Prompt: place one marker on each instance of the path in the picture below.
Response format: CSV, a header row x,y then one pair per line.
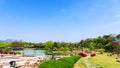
x,y
88,63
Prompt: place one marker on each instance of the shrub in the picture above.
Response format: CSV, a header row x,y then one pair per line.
x,y
92,55
14,53
101,51
18,52
83,54
60,63
5,52
11,52
1,51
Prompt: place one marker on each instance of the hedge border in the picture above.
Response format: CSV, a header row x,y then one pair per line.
x,y
60,63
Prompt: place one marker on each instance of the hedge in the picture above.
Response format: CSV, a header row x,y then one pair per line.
x,y
60,63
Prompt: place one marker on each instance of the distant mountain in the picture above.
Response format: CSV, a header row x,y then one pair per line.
x,y
9,40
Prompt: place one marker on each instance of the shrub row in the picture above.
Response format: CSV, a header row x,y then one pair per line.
x,y
6,52
60,63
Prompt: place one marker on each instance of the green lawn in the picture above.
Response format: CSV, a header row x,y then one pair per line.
x,y
79,64
105,61
99,61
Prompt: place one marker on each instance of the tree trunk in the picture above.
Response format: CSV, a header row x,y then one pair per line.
x,y
118,54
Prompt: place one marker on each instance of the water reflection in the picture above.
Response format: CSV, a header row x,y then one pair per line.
x,y
29,51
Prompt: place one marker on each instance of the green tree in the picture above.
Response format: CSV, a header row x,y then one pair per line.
x,y
16,45
4,45
56,46
118,36
99,46
49,47
109,47
92,46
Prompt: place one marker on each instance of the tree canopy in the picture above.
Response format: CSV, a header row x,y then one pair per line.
x,y
102,42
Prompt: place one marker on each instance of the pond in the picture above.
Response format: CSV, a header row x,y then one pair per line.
x,y
29,51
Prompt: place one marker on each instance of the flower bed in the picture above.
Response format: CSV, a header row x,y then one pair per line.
x,y
60,63
7,52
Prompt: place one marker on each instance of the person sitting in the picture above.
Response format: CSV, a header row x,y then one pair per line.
x,y
12,64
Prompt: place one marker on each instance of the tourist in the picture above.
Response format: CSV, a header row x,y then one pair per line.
x,y
12,64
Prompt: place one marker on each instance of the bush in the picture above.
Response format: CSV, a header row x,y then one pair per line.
x,y
83,54
1,51
101,51
18,52
5,52
60,63
11,52
92,55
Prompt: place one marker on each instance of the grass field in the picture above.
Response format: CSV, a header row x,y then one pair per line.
x,y
105,61
80,64
99,61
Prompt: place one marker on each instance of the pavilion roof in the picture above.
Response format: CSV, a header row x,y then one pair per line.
x,y
117,40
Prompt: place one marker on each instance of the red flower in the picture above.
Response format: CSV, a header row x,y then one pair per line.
x,y
11,52
1,51
92,55
14,53
5,52
83,54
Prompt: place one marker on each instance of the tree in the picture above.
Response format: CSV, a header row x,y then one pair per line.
x,y
118,36
49,47
117,48
16,45
38,45
71,46
109,47
109,38
99,46
82,43
56,46
4,45
92,46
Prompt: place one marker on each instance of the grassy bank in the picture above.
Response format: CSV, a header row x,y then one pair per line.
x,y
105,61
99,61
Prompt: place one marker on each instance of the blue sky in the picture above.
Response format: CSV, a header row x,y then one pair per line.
x,y
58,20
